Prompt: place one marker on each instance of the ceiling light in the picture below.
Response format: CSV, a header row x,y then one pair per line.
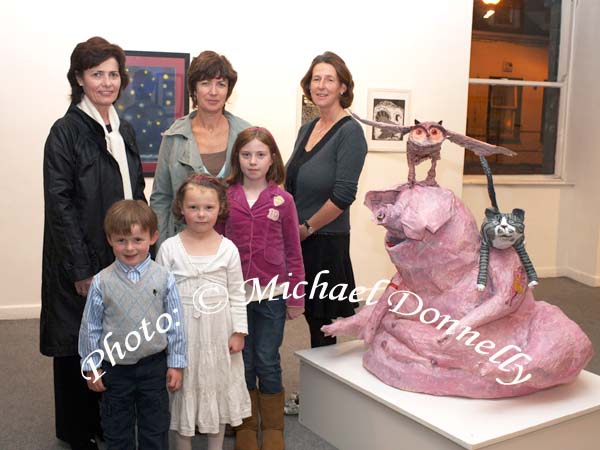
x,y
489,14
491,2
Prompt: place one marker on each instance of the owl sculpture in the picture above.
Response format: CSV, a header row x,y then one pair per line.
x,y
425,142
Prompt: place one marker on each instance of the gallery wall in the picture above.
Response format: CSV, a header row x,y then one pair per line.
x,y
270,44
420,46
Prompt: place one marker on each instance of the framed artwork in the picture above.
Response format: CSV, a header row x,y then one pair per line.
x,y
391,106
157,94
307,110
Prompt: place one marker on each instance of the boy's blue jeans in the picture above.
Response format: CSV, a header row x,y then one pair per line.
x,y
136,393
266,321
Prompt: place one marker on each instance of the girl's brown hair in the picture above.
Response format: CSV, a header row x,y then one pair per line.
x,y
276,172
205,181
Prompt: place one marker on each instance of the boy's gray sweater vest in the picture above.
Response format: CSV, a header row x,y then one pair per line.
x,y
126,305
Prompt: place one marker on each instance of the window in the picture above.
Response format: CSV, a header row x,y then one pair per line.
x,y
517,81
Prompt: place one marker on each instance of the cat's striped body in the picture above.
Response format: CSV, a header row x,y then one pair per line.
x,y
502,231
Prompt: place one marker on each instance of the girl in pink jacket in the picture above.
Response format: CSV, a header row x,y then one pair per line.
x,y
263,224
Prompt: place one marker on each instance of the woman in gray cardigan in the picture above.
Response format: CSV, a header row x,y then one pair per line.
x,y
199,142
322,175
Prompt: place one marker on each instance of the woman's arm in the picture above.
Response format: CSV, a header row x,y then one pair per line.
x,y
62,217
326,214
162,193
350,158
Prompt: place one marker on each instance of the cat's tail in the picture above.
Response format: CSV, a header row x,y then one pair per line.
x,y
490,181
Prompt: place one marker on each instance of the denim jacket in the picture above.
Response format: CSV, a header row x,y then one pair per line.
x,y
267,238
178,157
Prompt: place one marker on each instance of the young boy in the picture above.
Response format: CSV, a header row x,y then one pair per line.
x,y
132,315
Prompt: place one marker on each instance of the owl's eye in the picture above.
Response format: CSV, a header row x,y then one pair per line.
x,y
418,132
434,132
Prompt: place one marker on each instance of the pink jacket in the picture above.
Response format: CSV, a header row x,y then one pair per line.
x,y
267,238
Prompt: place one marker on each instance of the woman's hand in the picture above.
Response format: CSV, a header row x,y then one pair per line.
x,y
83,286
291,312
303,232
236,343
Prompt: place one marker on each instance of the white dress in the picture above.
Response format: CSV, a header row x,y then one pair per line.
x,y
214,388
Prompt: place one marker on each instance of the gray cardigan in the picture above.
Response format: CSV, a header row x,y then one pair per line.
x,y
177,158
330,171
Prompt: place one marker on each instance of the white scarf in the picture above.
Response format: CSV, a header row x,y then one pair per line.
x,y
114,140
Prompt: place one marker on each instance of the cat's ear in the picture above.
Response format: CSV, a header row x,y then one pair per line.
x,y
519,213
490,213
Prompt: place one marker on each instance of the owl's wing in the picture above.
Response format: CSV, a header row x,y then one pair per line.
x,y
387,126
478,147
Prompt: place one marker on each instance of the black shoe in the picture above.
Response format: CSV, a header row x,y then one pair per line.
x,y
84,445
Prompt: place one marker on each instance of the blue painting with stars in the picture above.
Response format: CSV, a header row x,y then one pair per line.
x,y
155,97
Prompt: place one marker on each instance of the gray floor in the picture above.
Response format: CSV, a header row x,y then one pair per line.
x,y
27,420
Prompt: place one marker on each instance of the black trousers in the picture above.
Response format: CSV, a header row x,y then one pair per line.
x,y
75,406
136,394
317,337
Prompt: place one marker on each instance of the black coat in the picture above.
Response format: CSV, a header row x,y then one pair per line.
x,y
81,182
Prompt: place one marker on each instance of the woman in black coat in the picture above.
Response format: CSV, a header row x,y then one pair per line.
x,y
90,162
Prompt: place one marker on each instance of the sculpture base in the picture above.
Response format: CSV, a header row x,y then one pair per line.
x,y
352,409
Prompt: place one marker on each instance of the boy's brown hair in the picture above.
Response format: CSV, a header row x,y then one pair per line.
x,y
125,214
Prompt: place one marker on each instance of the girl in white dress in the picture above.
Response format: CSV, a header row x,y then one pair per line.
x,y
207,269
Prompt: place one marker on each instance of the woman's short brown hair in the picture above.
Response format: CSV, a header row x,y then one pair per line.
x,y
206,66
276,172
124,214
92,53
343,74
205,181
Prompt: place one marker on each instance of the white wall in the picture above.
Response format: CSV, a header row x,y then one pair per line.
x,y
563,220
420,46
579,232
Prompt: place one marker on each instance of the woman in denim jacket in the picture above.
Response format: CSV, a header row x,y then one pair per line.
x,y
200,142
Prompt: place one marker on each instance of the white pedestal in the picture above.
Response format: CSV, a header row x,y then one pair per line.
x,y
352,409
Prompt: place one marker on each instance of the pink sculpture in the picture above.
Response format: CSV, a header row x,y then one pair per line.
x,y
432,331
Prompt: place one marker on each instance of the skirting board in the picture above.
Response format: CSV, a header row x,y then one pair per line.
x,y
582,277
353,410
17,312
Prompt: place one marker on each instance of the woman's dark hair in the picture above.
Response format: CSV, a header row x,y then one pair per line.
x,y
92,53
205,181
343,74
276,172
206,66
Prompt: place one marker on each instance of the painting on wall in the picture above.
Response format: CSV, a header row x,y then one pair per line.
x,y
156,96
388,106
307,110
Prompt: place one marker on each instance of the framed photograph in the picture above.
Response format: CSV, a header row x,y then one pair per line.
x,y
157,94
390,106
307,110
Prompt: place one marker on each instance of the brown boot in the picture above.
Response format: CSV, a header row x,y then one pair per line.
x,y
246,434
271,420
